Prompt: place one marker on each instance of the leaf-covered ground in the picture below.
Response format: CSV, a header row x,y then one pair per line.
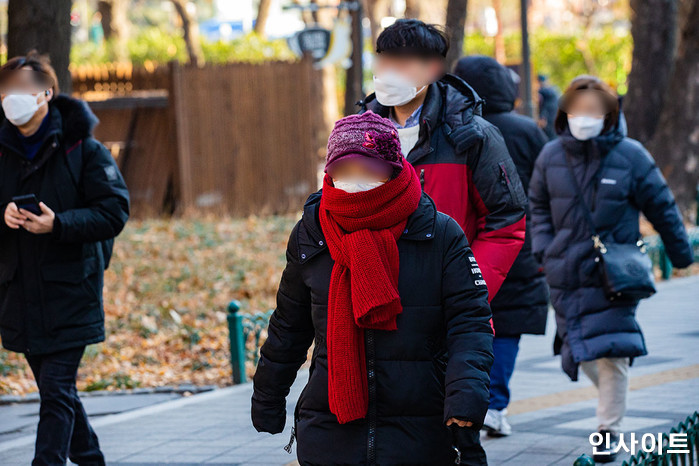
x,y
166,294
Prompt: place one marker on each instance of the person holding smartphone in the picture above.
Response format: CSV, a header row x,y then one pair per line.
x,y
63,201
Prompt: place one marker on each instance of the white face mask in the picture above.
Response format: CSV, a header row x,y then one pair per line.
x,y
393,89
585,127
20,108
356,185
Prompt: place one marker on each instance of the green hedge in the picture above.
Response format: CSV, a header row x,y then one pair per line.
x,y
160,46
557,55
560,56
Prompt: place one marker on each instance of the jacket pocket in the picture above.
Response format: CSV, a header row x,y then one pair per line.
x,y
72,294
7,273
440,360
514,186
9,308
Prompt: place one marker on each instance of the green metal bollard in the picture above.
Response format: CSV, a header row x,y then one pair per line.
x,y
584,460
665,264
237,340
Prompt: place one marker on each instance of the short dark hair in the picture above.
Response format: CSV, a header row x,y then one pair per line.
x,y
37,62
581,83
413,37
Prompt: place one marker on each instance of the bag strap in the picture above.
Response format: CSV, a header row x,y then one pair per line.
x,y
597,242
579,194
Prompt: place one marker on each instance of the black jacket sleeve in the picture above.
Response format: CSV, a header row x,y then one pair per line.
x,y
104,195
540,209
289,336
654,198
469,333
498,186
3,225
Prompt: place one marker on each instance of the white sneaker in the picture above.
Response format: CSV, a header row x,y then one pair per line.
x,y
495,423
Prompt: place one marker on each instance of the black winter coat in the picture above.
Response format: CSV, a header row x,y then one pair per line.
x,y
521,305
589,325
434,367
51,284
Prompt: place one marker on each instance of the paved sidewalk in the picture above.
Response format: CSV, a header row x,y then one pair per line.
x,y
551,416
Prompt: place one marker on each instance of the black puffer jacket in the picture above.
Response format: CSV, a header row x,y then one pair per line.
x,y
589,325
434,367
51,284
521,305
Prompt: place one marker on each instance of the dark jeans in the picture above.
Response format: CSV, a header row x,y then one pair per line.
x,y
505,350
64,431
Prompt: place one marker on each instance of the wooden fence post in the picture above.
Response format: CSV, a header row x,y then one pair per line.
x,y
179,111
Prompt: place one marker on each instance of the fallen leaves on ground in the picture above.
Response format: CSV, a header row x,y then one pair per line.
x,y
166,295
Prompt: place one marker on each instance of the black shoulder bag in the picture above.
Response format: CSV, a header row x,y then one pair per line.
x,y
626,269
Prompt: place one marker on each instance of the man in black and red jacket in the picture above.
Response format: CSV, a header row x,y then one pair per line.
x,y
462,159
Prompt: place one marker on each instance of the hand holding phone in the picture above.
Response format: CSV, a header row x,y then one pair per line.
x,y
12,216
27,212
28,202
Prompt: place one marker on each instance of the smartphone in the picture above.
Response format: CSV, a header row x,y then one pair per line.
x,y
28,202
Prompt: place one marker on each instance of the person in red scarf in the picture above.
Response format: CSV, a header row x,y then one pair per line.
x,y
390,293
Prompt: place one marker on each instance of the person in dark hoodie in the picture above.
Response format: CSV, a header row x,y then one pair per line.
x,y
388,289
53,253
461,158
548,105
587,191
521,305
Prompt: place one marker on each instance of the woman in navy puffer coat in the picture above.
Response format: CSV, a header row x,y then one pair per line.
x,y
618,179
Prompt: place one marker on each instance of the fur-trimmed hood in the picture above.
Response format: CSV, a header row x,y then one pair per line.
x,y
78,121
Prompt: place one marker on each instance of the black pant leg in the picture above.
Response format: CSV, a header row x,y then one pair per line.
x,y
56,374
84,446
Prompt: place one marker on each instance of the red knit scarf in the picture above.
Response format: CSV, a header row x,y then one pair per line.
x,y
361,230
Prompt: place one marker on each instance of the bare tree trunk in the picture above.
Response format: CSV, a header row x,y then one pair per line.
x,y
653,27
500,54
44,26
330,108
675,144
191,33
412,9
583,44
115,25
354,90
456,28
376,9
262,15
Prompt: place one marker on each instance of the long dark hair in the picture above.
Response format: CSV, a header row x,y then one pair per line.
x,y
588,82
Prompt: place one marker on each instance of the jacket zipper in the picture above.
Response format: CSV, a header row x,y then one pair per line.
x,y
292,437
288,446
505,180
371,380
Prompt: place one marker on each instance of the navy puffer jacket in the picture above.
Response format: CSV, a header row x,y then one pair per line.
x,y
589,325
433,367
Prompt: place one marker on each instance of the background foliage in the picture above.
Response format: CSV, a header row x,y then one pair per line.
x,y
158,45
560,56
